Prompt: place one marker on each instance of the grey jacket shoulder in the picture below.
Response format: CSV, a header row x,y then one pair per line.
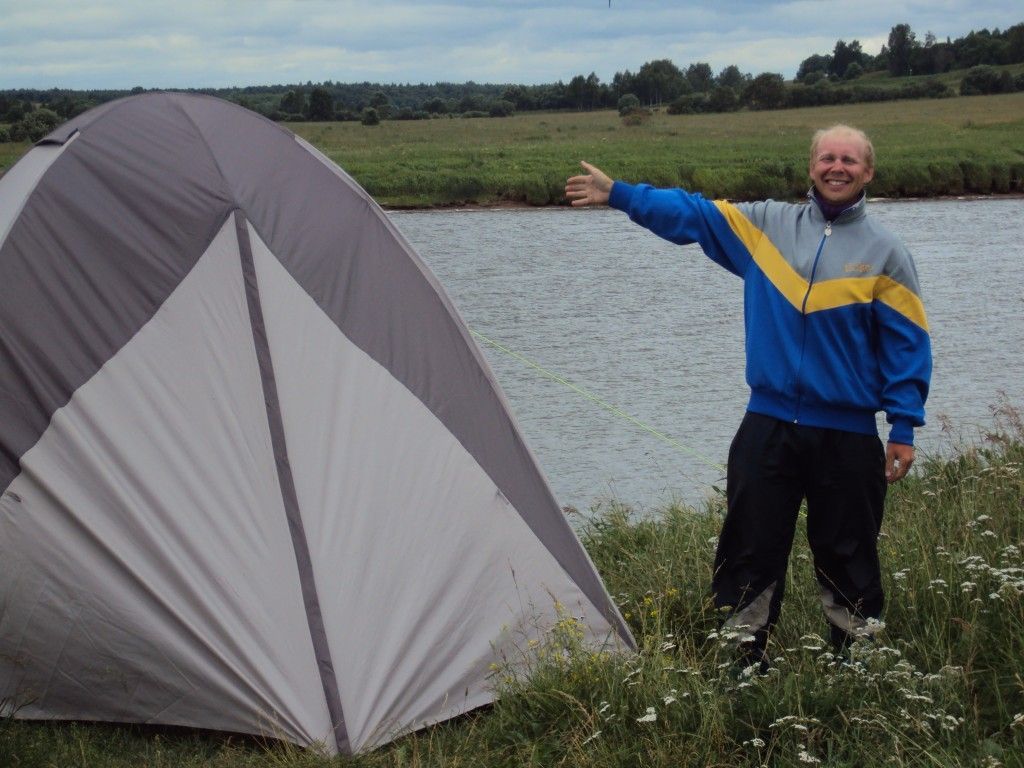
x,y
867,245
899,263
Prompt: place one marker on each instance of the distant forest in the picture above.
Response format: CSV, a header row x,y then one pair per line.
x,y
905,67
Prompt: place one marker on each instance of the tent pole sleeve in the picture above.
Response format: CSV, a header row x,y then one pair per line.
x,y
310,598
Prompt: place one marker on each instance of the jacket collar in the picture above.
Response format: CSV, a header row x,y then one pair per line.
x,y
838,214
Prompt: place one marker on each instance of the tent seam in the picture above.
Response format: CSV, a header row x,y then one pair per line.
x,y
289,496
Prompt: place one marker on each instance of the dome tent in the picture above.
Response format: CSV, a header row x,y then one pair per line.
x,y
257,476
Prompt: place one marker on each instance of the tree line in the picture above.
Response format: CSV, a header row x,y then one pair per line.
x,y
822,78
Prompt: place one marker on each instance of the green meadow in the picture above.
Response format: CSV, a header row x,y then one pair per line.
x,y
943,686
930,147
962,145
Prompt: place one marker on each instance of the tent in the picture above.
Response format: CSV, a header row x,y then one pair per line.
x,y
257,476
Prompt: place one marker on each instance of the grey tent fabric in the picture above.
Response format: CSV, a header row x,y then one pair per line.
x,y
256,474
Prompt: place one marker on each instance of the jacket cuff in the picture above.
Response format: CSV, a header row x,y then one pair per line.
x,y
902,431
620,195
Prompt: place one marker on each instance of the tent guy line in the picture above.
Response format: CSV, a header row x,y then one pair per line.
x,y
603,403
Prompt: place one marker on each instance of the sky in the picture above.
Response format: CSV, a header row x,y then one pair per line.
x,y
120,44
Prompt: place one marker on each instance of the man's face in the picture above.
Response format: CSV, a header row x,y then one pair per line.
x,y
838,168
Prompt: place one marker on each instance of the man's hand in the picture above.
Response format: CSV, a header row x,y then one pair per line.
x,y
898,458
590,189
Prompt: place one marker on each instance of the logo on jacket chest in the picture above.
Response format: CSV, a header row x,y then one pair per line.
x,y
858,269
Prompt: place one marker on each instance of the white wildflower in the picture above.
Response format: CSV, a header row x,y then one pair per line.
x,y
1018,720
650,717
807,757
910,696
590,738
755,743
950,723
671,697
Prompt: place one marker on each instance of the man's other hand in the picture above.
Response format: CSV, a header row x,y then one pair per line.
x,y
898,458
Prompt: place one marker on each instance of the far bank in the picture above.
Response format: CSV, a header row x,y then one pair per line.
x,y
966,145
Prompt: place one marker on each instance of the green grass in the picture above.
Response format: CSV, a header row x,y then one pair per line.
x,y
10,152
925,148
944,686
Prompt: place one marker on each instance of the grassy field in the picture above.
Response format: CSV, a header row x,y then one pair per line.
x,y
883,79
929,147
925,148
944,686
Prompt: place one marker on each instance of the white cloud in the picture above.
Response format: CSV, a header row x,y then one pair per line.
x,y
211,43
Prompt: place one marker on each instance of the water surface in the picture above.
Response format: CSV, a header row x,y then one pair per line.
x,y
656,330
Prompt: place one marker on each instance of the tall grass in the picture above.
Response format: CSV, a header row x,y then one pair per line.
x,y
925,148
943,686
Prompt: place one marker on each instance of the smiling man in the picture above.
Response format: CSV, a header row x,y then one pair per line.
x,y
835,333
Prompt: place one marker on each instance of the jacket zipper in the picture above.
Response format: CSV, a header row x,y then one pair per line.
x,y
803,312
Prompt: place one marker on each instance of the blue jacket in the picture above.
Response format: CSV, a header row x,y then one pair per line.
x,y
835,327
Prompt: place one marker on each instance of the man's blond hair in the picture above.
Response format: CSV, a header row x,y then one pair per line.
x,y
847,130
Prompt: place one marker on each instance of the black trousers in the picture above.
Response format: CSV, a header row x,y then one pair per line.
x,y
773,466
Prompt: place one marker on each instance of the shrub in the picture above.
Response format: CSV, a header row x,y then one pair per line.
x,y
5,134
36,124
980,80
502,108
370,116
931,88
627,103
723,99
638,116
688,104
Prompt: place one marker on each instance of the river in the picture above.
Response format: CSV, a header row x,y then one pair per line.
x,y
655,330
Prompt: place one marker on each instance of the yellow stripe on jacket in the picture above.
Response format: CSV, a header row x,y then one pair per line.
x,y
828,294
